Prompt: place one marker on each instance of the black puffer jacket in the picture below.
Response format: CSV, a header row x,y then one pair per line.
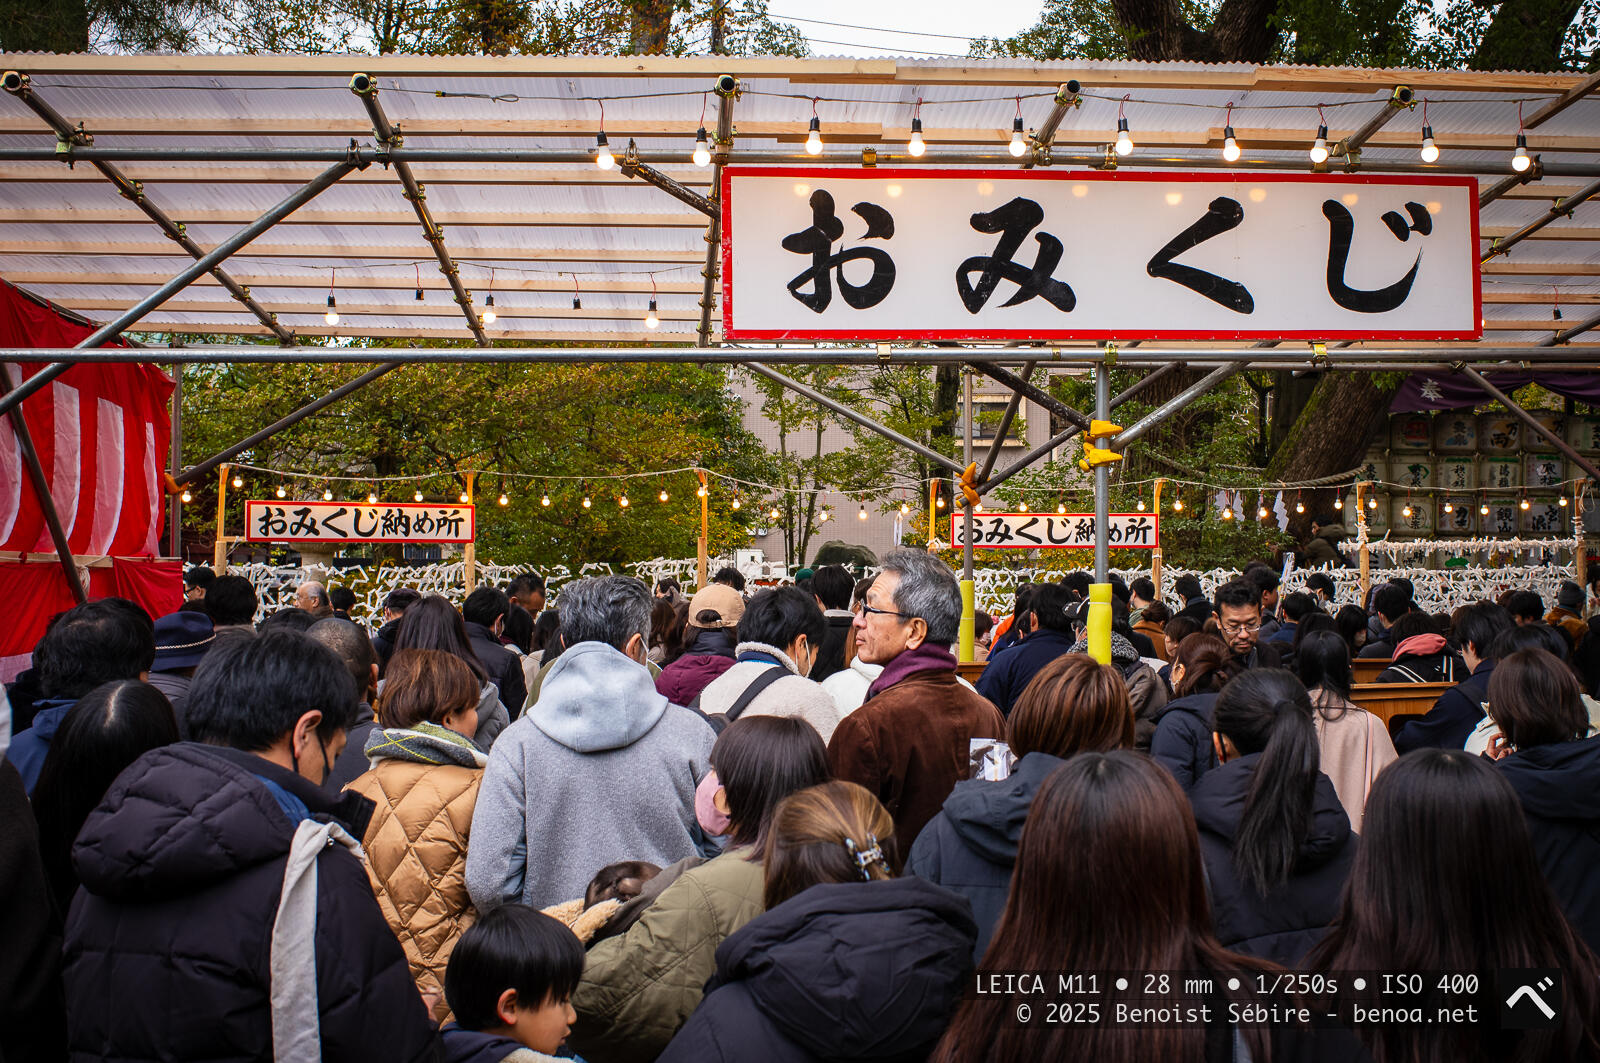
x,y
1284,925
1559,787
971,845
169,944
869,971
1182,742
33,1020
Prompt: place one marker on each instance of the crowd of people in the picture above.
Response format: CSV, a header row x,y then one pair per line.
x,y
779,824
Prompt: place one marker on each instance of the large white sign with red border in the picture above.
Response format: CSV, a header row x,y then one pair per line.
x,y
929,254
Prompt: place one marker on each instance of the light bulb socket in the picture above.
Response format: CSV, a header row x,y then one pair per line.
x,y
600,140
1122,125
419,295
815,126
1016,127
1322,132
916,126
1227,133
331,302
488,300
577,304
700,140
652,305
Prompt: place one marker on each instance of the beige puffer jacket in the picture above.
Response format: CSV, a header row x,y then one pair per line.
x,y
416,847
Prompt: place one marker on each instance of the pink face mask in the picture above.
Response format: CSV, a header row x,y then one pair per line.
x,y
711,821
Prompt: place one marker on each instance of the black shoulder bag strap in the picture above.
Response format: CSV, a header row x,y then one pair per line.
x,y
753,691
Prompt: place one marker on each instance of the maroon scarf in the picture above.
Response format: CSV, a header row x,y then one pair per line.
x,y
925,658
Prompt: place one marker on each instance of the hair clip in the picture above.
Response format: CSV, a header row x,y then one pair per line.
x,y
865,858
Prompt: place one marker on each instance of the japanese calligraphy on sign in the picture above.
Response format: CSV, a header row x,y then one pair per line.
x,y
1026,531
345,522
924,254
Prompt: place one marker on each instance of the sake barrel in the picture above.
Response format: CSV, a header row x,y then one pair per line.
x,y
1411,518
1455,432
1543,518
1583,433
1543,471
1501,471
1498,433
1411,470
1373,466
1553,421
1501,519
1461,517
1456,472
1410,433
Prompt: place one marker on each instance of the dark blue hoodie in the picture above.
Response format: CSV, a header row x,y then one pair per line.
x,y
848,971
1182,742
477,1046
971,845
1559,787
29,748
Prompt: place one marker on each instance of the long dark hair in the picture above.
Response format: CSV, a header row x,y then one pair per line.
x,y
1445,847
1351,623
432,623
544,631
108,729
1535,699
1207,664
1267,711
1323,660
1109,873
760,760
1310,624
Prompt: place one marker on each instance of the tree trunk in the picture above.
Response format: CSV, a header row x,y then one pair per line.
x,y
1525,35
1331,436
719,27
650,26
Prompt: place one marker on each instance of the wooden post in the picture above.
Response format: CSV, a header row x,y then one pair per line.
x,y
469,553
705,531
1155,559
1580,556
219,558
1361,543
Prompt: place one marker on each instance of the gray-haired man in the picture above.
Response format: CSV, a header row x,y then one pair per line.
x,y
600,769
909,743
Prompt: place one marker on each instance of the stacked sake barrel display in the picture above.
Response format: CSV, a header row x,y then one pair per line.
x,y
1442,470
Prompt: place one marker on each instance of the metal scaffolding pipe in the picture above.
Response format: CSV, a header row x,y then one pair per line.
x,y
133,191
469,155
201,266
1561,208
1171,406
1076,358
630,166
853,415
1005,426
1562,102
1037,394
41,489
1553,438
1516,180
1568,334
1350,147
727,90
195,472
367,89
1102,481
1067,97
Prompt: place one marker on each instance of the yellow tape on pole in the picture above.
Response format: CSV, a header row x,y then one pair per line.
x,y
1100,622
967,620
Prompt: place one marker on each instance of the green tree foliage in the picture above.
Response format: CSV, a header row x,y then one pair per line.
x,y
435,421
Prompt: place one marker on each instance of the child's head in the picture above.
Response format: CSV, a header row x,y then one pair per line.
x,y
622,881
515,970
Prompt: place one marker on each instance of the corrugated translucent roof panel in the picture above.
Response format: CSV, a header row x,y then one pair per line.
x,y
551,222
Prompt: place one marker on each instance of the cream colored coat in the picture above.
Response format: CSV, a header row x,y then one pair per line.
x,y
1355,747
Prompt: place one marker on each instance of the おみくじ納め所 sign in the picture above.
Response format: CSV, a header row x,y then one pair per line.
x,y
349,522
1027,531
911,254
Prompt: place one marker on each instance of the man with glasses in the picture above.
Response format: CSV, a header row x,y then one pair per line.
x,y
1239,623
909,743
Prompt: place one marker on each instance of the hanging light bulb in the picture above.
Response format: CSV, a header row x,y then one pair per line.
x,y
238,481
186,496
1449,507
503,500
416,496
1519,158
814,136
577,304
823,517
1407,511
544,499
465,498
281,491
488,310
978,508
1338,503
774,513
586,502
1430,150
916,146
938,502
1141,505
1372,503
861,514
1319,147
1299,507
332,316
702,148
736,502
663,496
327,494
1523,504
1124,141
1230,146
372,498
602,151
1227,512
1261,513
1484,509
1177,505
418,270
1018,146
1061,507
904,508
651,318
701,492
1563,501
623,501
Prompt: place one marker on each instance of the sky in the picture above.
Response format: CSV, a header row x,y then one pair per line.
x,y
893,25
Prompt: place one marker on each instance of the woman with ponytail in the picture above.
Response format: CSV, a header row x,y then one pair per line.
x,y
1276,840
1201,665
848,961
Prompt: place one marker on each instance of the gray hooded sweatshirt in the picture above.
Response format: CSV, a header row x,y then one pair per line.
x,y
600,769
